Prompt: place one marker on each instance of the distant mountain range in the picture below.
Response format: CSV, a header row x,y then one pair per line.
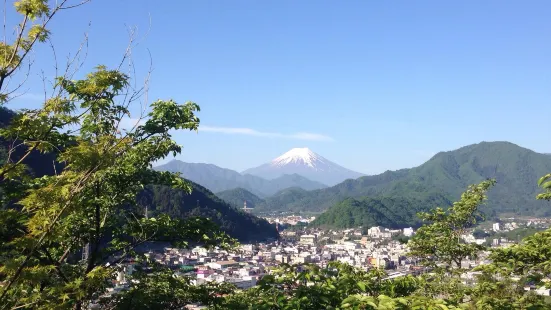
x,y
219,179
304,162
515,168
391,198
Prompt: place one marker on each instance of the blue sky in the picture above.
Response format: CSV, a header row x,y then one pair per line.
x,y
370,85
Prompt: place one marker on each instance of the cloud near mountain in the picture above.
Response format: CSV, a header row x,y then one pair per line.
x,y
252,132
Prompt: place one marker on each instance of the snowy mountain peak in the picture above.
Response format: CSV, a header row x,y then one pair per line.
x,y
306,163
298,156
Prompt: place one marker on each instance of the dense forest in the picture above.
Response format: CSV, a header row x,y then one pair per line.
x,y
203,203
237,196
390,212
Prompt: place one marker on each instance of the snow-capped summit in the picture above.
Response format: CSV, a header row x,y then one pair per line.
x,y
306,163
298,155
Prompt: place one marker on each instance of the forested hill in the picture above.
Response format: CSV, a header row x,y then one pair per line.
x,y
515,168
237,196
202,202
242,226
391,212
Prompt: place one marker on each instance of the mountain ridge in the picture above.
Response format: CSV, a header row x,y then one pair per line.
x,y
218,179
515,168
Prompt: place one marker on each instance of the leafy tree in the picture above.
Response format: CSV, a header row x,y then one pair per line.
x,y
403,239
440,240
33,28
310,287
545,183
91,203
155,287
439,245
528,262
479,233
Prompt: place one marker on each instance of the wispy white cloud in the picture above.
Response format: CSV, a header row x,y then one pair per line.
x,y
252,132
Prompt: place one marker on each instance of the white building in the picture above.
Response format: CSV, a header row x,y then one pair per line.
x,y
374,231
224,264
308,239
495,226
408,232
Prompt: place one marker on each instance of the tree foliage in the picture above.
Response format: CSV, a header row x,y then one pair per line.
x,y
438,243
65,234
32,29
203,203
337,286
440,239
92,202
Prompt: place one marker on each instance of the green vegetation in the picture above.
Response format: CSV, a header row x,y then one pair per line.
x,y
92,201
297,227
437,243
237,196
479,234
162,200
368,212
403,239
202,203
445,228
51,212
516,234
515,169
339,286
96,198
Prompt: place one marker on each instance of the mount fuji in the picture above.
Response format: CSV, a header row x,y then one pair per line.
x,y
304,162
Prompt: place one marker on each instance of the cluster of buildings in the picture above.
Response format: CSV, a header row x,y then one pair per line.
x,y
290,220
376,247
507,232
246,265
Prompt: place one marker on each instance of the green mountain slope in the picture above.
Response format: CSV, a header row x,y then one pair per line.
x,y
219,179
391,212
202,202
516,170
237,196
